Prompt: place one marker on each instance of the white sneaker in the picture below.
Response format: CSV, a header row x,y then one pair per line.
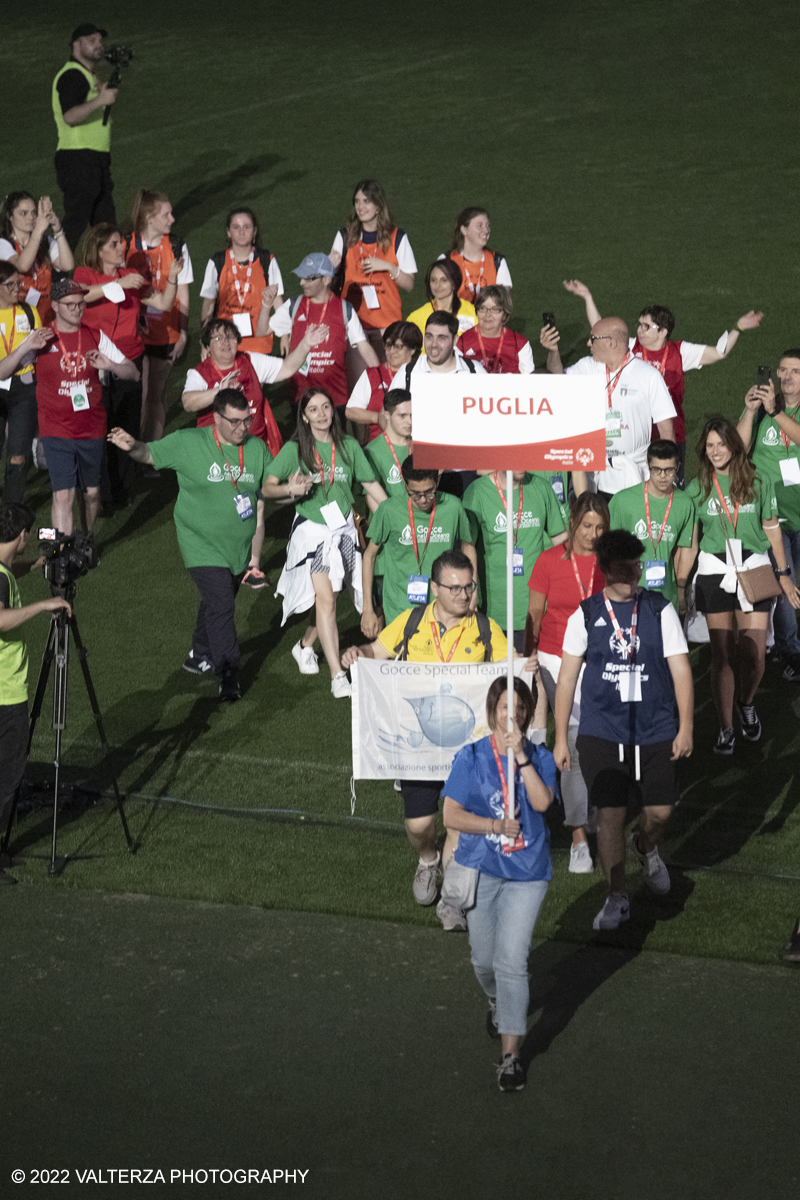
x,y
656,875
615,910
580,859
340,686
424,886
305,658
453,919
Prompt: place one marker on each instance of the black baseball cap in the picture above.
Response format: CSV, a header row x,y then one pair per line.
x,y
86,30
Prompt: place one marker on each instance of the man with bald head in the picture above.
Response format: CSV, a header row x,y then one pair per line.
x,y
636,399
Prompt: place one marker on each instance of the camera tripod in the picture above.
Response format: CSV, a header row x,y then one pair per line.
x,y
56,653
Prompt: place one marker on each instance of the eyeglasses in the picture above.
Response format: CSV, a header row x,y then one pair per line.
x,y
224,337
421,495
490,311
72,307
236,424
663,470
456,589
600,337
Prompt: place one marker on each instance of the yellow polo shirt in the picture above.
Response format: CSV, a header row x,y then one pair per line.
x,y
422,647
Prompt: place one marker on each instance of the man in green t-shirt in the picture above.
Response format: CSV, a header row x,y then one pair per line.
x,y
537,520
411,531
390,449
662,517
220,471
771,427
16,522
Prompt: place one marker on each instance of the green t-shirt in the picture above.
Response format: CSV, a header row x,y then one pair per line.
x,y
748,522
559,482
769,451
13,651
210,531
390,529
541,516
386,469
350,465
627,512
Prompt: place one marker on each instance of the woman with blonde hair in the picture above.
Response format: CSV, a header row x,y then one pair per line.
x,y
151,251
737,524
375,262
562,577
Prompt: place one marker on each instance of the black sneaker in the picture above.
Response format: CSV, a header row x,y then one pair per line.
x,y
725,743
791,672
748,718
792,951
198,666
230,689
510,1074
491,1021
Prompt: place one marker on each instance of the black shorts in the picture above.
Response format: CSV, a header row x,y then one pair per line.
x,y
420,797
710,597
612,784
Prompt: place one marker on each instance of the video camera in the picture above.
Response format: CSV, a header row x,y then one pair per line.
x,y
120,58
67,556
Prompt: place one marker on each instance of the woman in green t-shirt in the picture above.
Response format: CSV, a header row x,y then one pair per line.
x,y
316,470
737,517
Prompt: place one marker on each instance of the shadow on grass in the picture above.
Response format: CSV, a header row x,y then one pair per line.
x,y
563,979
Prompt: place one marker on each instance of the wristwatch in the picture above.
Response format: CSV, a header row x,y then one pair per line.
x,y
785,571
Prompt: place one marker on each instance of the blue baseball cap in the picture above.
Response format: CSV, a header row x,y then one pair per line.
x,y
315,264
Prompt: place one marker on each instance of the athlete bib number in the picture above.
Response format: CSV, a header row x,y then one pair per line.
x,y
655,573
417,589
77,394
243,506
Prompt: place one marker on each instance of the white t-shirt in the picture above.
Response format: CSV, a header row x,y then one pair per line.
x,y
691,352
576,637
210,288
8,250
405,255
639,400
266,367
281,321
422,367
503,273
110,349
187,274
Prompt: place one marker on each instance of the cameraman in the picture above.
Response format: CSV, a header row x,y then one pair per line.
x,y
16,522
83,153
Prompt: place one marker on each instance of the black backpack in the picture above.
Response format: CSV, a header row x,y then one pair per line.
x,y
414,620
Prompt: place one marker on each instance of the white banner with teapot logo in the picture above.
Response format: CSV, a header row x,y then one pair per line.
x,y
411,718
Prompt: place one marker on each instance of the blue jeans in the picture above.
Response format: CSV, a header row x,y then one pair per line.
x,y
500,930
785,617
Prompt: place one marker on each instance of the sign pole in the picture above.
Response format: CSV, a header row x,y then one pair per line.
x,y
510,628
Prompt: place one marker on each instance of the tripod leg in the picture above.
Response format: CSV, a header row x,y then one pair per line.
x,y
41,685
98,716
59,717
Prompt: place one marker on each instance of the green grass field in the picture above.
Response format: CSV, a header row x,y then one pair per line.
x,y
649,152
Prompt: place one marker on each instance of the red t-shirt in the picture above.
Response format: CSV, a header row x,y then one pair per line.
x,y
508,343
669,364
554,577
379,380
55,377
326,361
119,322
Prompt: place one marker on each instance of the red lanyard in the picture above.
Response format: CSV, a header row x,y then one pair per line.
x,y
321,321
626,651
397,463
241,296
725,505
587,591
475,288
654,544
505,505
787,441
321,468
494,369
502,774
10,345
66,356
453,648
413,527
227,464
609,385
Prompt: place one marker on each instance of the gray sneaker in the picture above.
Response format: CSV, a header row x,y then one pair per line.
x,y
425,886
453,919
656,875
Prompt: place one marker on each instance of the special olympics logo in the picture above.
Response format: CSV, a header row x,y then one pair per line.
x,y
73,365
584,457
623,645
